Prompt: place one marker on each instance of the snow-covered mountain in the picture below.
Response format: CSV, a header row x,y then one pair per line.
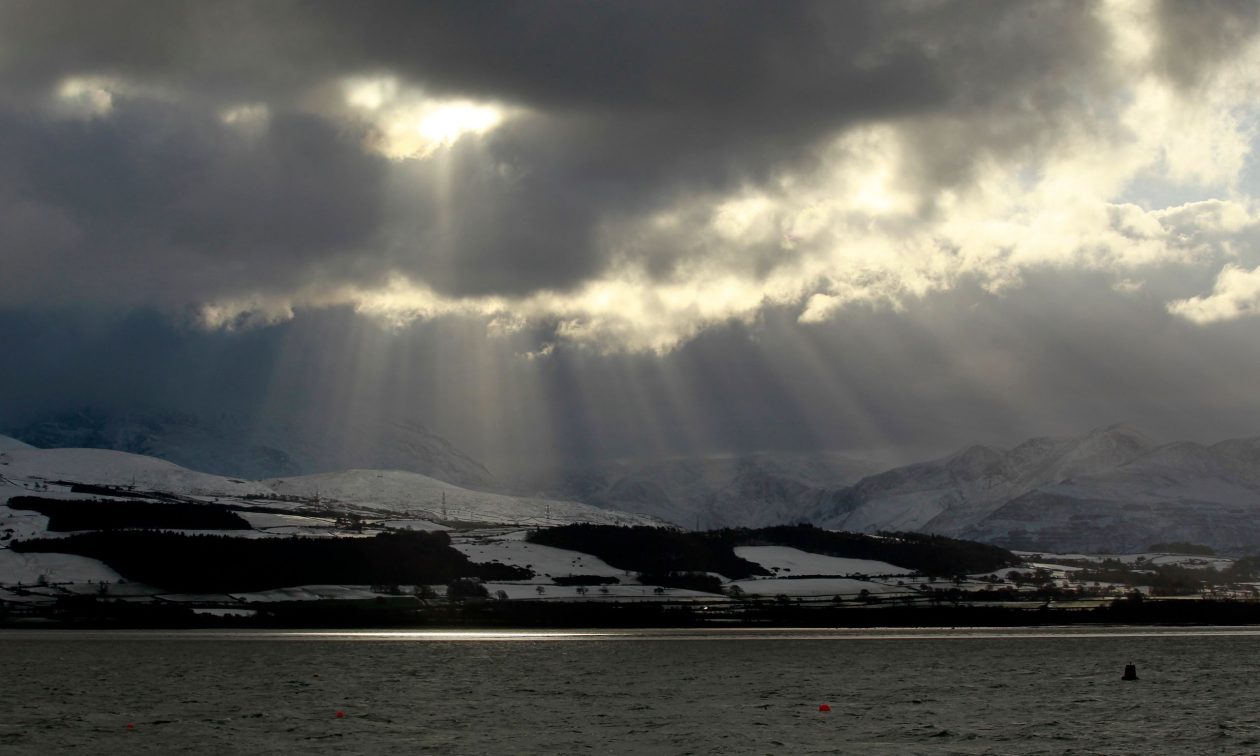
x,y
230,445
1178,492
949,494
1110,490
707,492
405,495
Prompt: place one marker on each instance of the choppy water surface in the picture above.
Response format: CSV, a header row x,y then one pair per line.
x,y
929,692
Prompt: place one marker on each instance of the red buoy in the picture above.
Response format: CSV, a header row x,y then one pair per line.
x,y
341,714
824,707
130,726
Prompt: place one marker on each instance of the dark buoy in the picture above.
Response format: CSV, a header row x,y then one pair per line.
x,y
1130,672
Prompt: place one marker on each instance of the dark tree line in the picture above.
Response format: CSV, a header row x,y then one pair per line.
x,y
223,564
101,514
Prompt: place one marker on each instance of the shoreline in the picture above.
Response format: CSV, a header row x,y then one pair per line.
x,y
574,615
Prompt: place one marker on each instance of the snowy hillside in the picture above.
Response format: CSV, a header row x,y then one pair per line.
x,y
387,499
390,492
396,492
115,468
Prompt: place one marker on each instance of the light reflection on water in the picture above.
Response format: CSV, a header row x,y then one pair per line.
x,y
729,690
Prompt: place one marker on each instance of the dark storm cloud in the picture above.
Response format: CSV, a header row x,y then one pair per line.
x,y
158,205
634,106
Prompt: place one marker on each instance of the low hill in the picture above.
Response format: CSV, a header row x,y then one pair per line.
x,y
361,492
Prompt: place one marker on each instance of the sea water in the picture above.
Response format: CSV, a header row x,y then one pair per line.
x,y
1033,691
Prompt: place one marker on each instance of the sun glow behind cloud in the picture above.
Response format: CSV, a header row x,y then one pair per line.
x,y
85,96
406,124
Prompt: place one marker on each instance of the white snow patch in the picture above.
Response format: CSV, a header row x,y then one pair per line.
x,y
787,559
225,611
55,568
546,561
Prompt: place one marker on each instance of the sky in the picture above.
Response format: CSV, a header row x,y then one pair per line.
x,y
587,230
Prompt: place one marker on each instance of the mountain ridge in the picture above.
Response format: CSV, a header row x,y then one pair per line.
x,y
231,445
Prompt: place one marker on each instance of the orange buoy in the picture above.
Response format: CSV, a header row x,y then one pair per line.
x,y
824,707
340,714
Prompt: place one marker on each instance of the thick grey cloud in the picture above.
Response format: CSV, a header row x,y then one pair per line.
x,y
155,206
633,106
1194,37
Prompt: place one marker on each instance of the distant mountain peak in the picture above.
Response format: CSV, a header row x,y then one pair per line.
x,y
1118,434
260,447
975,459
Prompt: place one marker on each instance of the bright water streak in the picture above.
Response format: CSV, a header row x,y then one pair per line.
x,y
679,691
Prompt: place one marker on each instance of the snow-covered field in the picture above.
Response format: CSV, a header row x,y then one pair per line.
x,y
29,569
781,559
266,520
547,562
16,524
